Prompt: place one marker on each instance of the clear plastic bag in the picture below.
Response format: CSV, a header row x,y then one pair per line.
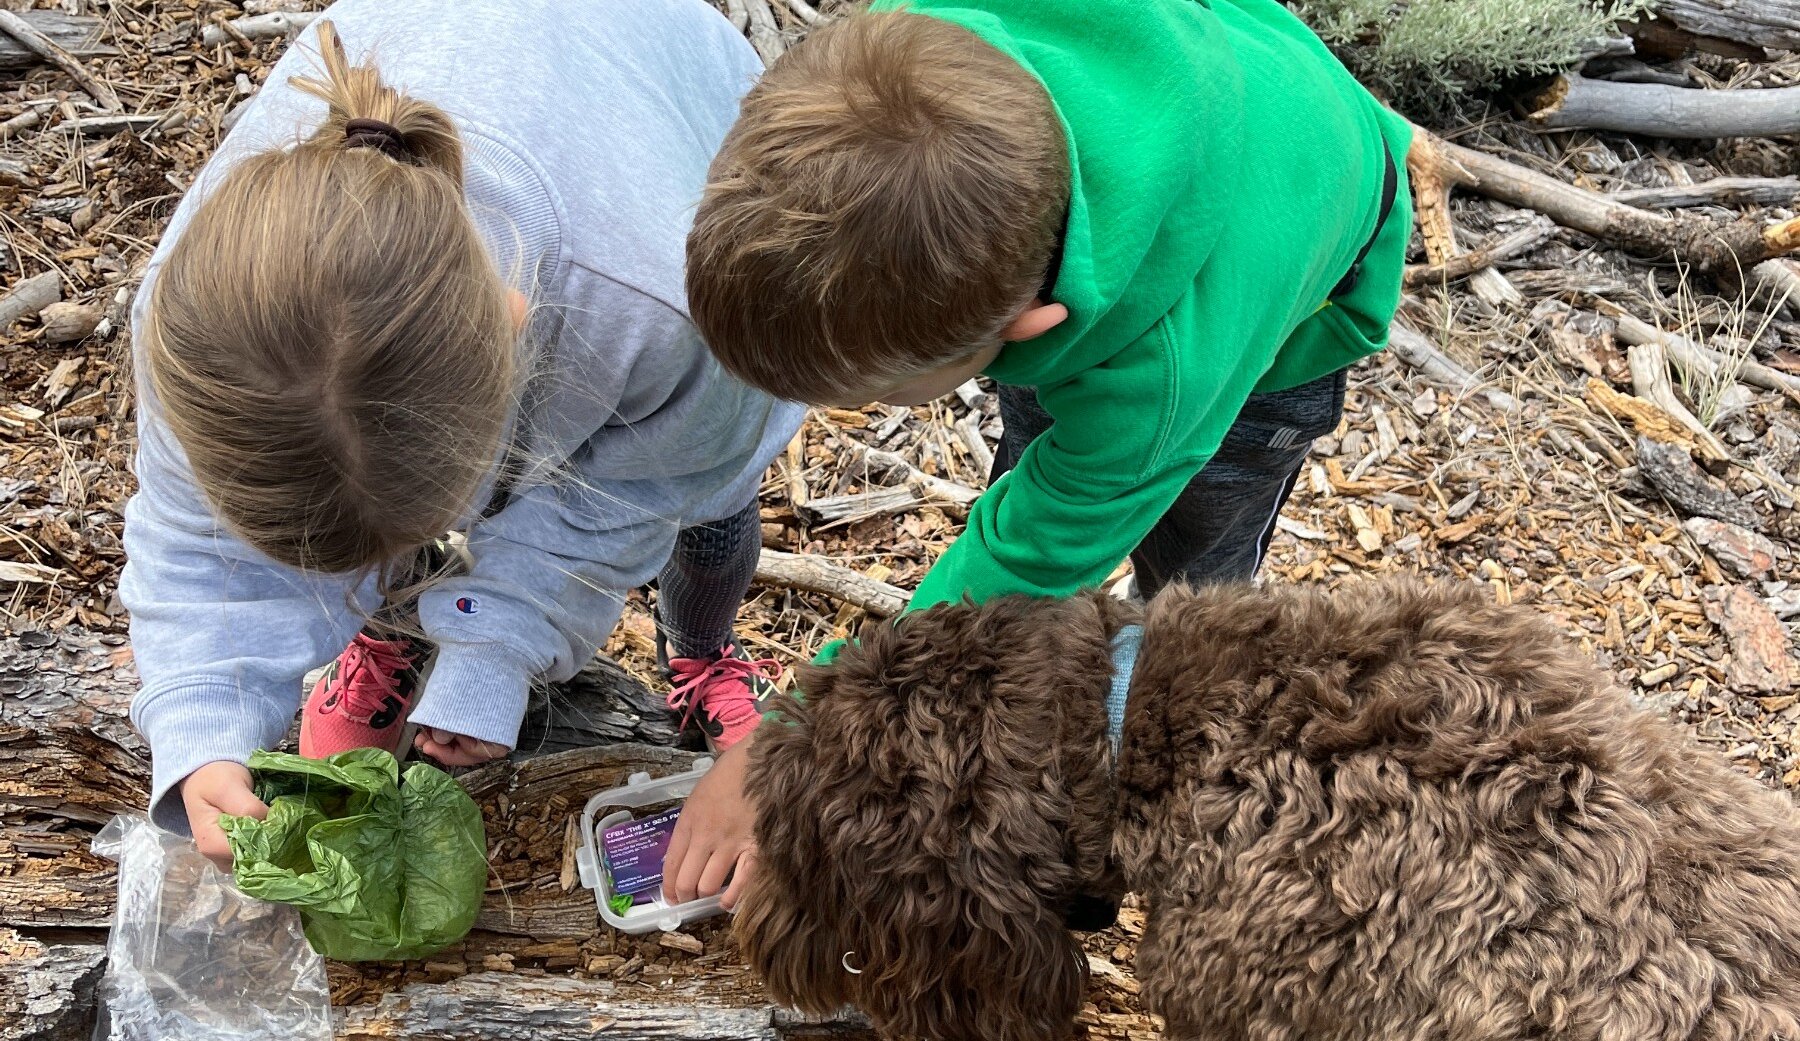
x,y
192,959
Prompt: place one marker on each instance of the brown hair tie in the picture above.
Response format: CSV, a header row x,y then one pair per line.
x,y
383,137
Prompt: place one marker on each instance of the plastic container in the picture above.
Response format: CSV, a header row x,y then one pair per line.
x,y
615,806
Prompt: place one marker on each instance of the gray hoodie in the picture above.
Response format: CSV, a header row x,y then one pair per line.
x,y
588,129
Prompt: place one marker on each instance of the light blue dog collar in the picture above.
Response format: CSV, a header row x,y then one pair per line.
x,y
1124,659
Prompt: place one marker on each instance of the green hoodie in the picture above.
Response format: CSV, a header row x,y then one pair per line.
x,y
1226,171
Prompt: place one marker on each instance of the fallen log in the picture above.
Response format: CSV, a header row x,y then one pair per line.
x,y
602,705
1755,23
1461,266
76,35
1657,110
47,990
505,1007
1722,251
1720,191
814,575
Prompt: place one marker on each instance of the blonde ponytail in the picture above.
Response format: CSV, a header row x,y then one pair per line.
x,y
355,92
329,340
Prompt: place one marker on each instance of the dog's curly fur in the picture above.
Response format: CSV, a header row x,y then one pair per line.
x,y
1395,811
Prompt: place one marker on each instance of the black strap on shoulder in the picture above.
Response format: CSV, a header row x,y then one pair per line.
x,y
1390,187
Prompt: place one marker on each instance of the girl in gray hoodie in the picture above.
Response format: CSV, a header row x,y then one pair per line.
x,y
433,283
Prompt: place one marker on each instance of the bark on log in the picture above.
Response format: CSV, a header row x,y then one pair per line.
x,y
77,35
602,705
1656,110
47,990
1524,240
1673,473
1723,251
1735,192
29,296
811,574
505,1007
1756,23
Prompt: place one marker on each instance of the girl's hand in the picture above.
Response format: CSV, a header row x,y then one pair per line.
x,y
455,749
715,833
216,788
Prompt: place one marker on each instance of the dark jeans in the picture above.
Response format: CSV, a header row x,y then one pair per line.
x,y
1219,527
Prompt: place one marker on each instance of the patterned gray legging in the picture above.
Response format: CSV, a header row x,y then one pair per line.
x,y
703,584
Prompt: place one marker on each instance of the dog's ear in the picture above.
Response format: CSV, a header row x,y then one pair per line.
x,y
921,833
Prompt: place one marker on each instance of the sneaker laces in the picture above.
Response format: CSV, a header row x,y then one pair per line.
x,y
724,685
370,672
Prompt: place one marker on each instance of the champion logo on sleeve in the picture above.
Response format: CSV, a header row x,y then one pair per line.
x,y
467,605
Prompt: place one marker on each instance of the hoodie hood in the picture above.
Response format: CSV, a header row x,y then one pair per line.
x,y
1151,100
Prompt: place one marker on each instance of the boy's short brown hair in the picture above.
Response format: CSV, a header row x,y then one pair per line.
x,y
886,204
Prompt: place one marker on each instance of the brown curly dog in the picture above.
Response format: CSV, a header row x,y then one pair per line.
x,y
1390,813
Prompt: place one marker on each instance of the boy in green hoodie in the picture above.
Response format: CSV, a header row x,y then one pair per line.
x,y
1163,227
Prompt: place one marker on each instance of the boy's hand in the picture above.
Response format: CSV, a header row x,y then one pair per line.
x,y
716,830
216,788
455,749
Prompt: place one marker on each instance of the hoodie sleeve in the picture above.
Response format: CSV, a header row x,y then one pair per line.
x,y
684,444
1088,491
222,636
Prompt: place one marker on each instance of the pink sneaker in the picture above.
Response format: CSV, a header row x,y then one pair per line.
x,y
363,698
723,694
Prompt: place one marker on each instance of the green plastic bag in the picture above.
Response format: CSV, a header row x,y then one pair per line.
x,y
382,867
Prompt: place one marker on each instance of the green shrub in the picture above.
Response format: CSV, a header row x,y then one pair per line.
x,y
1422,55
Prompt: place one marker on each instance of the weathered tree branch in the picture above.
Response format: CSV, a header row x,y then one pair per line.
x,y
1431,207
1650,379
1720,191
29,296
765,34
48,49
815,575
257,27
1658,110
1723,251
1698,358
893,467
1756,23
1439,368
76,35
1524,240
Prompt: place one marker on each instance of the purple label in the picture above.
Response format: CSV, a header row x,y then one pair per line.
x,y
634,852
